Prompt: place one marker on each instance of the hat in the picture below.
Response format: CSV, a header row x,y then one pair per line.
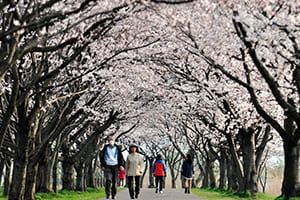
x,y
133,145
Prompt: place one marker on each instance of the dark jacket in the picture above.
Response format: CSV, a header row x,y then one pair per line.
x,y
187,169
121,161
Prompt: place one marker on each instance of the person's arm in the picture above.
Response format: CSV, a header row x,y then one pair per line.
x,y
142,165
153,167
165,168
102,161
126,165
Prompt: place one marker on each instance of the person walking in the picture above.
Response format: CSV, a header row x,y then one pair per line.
x,y
187,172
160,171
134,168
122,178
112,161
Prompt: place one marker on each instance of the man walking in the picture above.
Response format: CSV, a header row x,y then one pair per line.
x,y
112,161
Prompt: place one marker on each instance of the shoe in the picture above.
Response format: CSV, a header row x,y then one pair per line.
x,y
132,197
185,190
156,190
136,196
107,197
189,191
161,192
113,197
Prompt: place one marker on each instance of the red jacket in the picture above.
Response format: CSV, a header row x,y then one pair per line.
x,y
159,168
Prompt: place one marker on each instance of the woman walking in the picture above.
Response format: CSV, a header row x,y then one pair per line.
x,y
160,171
134,168
187,170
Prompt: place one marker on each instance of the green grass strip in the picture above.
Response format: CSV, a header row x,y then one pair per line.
x,y
217,194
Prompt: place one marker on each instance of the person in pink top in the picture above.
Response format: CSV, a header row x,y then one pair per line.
x,y
122,178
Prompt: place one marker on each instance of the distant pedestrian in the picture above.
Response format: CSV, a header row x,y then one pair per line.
x,y
122,178
187,172
134,168
160,171
112,161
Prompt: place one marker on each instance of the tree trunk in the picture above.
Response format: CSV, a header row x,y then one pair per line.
x,y
291,181
68,175
223,167
44,174
237,165
212,177
30,185
54,176
2,164
231,174
172,173
151,181
17,187
90,175
206,177
7,177
248,148
80,178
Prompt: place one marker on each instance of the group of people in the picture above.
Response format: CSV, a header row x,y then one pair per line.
x,y
112,163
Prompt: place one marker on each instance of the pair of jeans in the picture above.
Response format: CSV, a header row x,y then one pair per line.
x,y
136,179
111,179
159,182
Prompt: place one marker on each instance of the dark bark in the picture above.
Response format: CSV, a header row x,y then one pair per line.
x,y
30,182
44,177
2,164
247,140
90,175
54,176
7,177
80,177
17,187
68,175
291,181
223,166
151,180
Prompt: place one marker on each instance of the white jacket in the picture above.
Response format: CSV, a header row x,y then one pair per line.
x,y
134,165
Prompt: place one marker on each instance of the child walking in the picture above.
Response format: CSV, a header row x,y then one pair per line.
x,y
160,171
122,178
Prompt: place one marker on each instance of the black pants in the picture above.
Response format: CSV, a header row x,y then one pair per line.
x,y
159,182
131,187
111,179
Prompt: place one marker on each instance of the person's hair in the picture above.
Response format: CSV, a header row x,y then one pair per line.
x,y
137,149
159,157
189,158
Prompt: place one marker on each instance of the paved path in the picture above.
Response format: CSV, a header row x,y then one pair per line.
x,y
149,194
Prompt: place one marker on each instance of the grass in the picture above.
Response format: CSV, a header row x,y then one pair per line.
x,y
90,194
217,194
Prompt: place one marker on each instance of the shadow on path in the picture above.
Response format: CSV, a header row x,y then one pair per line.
x,y
149,194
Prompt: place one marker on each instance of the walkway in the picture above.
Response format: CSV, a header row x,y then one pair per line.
x,y
168,194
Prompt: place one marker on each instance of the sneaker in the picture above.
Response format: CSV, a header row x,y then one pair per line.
x,y
161,192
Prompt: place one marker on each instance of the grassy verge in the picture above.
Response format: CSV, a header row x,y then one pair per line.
x,y
216,194
90,194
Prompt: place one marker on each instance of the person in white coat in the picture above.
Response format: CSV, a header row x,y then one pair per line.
x,y
134,168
